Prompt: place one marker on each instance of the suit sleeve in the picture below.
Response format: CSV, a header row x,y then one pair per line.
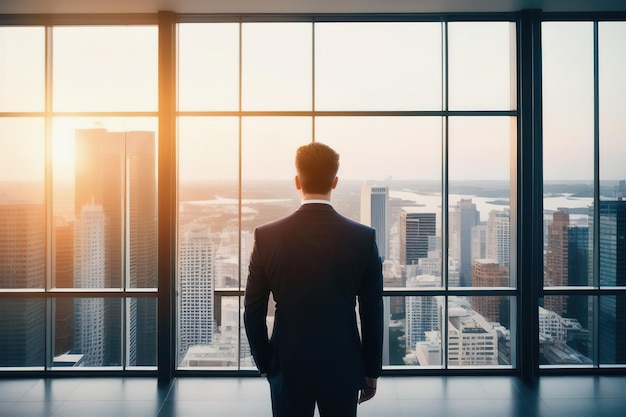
x,y
371,314
255,310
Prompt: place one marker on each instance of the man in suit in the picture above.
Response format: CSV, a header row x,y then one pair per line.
x,y
317,264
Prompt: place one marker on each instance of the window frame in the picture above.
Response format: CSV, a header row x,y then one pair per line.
x,y
526,185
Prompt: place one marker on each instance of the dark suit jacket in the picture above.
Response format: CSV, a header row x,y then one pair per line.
x,y
317,264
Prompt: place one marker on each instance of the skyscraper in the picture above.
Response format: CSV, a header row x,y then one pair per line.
x,y
196,290
463,217
488,273
612,273
374,213
116,170
415,229
499,236
479,242
89,258
63,278
577,267
141,218
22,265
422,313
557,259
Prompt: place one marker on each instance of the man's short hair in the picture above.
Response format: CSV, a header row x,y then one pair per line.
x,y
317,165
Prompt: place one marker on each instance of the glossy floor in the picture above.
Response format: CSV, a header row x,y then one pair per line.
x,y
554,396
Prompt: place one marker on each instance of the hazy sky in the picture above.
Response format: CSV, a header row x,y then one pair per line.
x,y
355,66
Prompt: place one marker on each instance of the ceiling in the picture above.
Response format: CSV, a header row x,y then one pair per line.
x,y
303,6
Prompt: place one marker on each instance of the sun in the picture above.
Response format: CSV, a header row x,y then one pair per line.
x,y
63,155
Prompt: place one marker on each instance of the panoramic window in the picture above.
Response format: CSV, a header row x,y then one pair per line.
x,y
375,92
580,321
424,115
78,206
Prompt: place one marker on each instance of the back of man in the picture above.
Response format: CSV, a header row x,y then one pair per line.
x,y
317,264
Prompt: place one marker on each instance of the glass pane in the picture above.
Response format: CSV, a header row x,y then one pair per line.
x,y
208,333
378,66
208,241
567,88
277,66
268,170
567,49
612,337
479,154
381,185
22,54
566,330
105,202
88,332
479,331
208,66
481,66
105,68
22,209
141,335
22,332
612,148
208,195
415,338
612,88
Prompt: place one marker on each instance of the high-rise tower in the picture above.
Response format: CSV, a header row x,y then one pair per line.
x,y
499,236
463,217
488,273
374,213
612,244
22,265
196,290
557,258
117,171
89,258
415,229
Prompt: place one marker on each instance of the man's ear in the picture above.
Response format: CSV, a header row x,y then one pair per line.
x,y
298,185
335,181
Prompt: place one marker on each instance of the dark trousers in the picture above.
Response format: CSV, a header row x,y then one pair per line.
x,y
287,402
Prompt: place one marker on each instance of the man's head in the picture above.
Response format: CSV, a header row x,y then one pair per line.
x,y
317,165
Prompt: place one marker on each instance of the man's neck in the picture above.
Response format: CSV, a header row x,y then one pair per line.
x,y
308,196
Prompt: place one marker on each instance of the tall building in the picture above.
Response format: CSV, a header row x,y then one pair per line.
x,y
117,171
557,259
99,181
463,217
472,341
612,236
22,265
89,260
499,236
489,273
415,229
479,242
375,213
196,290
423,313
63,245
577,267
141,241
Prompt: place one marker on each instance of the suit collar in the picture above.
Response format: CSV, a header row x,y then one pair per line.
x,y
316,202
316,207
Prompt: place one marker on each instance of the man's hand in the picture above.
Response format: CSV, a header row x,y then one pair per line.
x,y
369,391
